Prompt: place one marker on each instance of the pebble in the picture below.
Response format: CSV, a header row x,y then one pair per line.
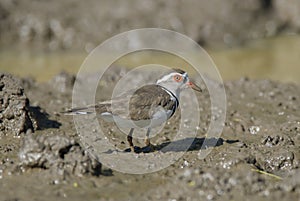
x,y
254,130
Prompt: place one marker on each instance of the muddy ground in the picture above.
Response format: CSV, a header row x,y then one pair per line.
x,y
256,158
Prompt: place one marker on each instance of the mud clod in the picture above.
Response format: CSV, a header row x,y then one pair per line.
x,y
15,115
59,154
277,140
277,160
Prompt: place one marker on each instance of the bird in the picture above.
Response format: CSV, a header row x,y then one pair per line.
x,y
147,107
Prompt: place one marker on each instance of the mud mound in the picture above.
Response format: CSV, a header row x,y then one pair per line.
x,y
63,82
15,116
59,154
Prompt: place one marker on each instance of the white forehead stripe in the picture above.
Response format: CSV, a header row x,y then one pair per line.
x,y
167,77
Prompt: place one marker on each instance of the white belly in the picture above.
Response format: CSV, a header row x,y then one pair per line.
x,y
158,118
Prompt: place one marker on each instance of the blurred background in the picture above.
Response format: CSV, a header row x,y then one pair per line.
x,y
253,38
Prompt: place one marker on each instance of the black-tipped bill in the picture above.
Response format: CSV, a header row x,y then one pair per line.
x,y
194,86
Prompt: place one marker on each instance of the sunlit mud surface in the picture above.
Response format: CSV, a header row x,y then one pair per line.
x,y
256,157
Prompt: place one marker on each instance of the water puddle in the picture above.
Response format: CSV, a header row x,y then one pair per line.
x,y
275,58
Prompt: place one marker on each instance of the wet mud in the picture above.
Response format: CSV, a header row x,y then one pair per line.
x,y
255,158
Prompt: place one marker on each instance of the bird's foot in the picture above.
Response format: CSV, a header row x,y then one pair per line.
x,y
133,149
149,148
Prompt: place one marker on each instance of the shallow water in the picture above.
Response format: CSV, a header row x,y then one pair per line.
x,y
40,65
275,58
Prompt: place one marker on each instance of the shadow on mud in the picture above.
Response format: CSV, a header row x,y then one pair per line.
x,y
42,119
187,144
192,144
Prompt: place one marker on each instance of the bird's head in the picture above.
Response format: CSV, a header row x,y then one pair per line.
x,y
177,80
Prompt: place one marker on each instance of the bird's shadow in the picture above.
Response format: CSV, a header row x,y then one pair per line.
x,y
187,144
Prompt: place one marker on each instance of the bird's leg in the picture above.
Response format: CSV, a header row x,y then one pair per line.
x,y
147,139
129,139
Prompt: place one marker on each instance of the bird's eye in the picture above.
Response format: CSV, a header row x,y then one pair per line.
x,y
177,78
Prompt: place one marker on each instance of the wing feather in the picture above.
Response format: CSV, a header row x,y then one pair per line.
x,y
147,100
139,105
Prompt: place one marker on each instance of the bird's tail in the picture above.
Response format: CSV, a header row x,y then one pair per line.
x,y
79,111
91,109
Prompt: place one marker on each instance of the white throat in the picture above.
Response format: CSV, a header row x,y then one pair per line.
x,y
175,91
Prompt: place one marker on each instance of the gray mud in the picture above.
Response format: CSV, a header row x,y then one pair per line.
x,y
256,157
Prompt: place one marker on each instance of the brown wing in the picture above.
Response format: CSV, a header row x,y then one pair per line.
x,y
145,101
142,104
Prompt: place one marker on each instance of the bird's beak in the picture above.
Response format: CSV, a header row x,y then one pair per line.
x,y
194,86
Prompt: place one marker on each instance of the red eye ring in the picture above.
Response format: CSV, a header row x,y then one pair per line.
x,y
177,78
